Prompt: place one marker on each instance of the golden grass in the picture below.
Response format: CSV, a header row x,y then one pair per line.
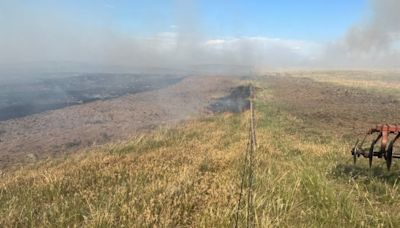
x,y
306,180
178,177
190,177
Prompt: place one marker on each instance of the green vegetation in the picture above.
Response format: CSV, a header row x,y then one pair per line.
x,y
190,176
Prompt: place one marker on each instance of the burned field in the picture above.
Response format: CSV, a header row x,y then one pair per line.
x,y
148,103
23,99
237,101
337,109
189,174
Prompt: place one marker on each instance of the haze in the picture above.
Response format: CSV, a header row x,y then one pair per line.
x,y
181,34
199,113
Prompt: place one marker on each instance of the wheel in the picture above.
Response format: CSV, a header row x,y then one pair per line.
x,y
389,156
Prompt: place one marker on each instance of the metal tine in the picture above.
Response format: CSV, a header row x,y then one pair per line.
x,y
390,152
386,145
362,142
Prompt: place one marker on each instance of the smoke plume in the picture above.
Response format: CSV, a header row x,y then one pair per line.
x,y
48,35
372,43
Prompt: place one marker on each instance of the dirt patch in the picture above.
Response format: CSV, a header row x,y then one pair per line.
x,y
331,107
237,101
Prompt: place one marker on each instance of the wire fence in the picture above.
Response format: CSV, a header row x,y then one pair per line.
x,y
248,172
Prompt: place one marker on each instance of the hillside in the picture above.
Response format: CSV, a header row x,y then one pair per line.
x,y
55,133
190,175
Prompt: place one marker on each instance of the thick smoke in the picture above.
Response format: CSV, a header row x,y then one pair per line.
x,y
47,35
379,32
32,35
373,43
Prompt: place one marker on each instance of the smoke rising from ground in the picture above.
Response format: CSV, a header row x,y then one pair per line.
x,y
373,43
47,35
379,32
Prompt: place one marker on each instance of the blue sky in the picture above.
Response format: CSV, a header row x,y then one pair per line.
x,y
312,20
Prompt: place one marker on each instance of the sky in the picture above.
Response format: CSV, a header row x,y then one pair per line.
x,y
176,33
308,19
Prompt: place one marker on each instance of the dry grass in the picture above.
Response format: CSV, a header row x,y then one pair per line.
x,y
386,82
190,177
306,178
179,177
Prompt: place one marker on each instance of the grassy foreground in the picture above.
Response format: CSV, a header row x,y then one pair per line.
x,y
190,176
305,176
184,176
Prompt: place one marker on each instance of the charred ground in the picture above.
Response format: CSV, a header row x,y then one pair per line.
x,y
335,108
23,99
237,101
189,175
151,102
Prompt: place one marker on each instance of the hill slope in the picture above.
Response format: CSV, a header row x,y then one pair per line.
x,y
190,176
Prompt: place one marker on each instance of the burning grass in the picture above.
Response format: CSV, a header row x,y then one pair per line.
x,y
190,176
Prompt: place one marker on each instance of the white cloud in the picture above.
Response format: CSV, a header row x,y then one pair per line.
x,y
216,42
263,51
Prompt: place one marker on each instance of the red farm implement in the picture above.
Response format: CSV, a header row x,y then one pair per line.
x,y
387,135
